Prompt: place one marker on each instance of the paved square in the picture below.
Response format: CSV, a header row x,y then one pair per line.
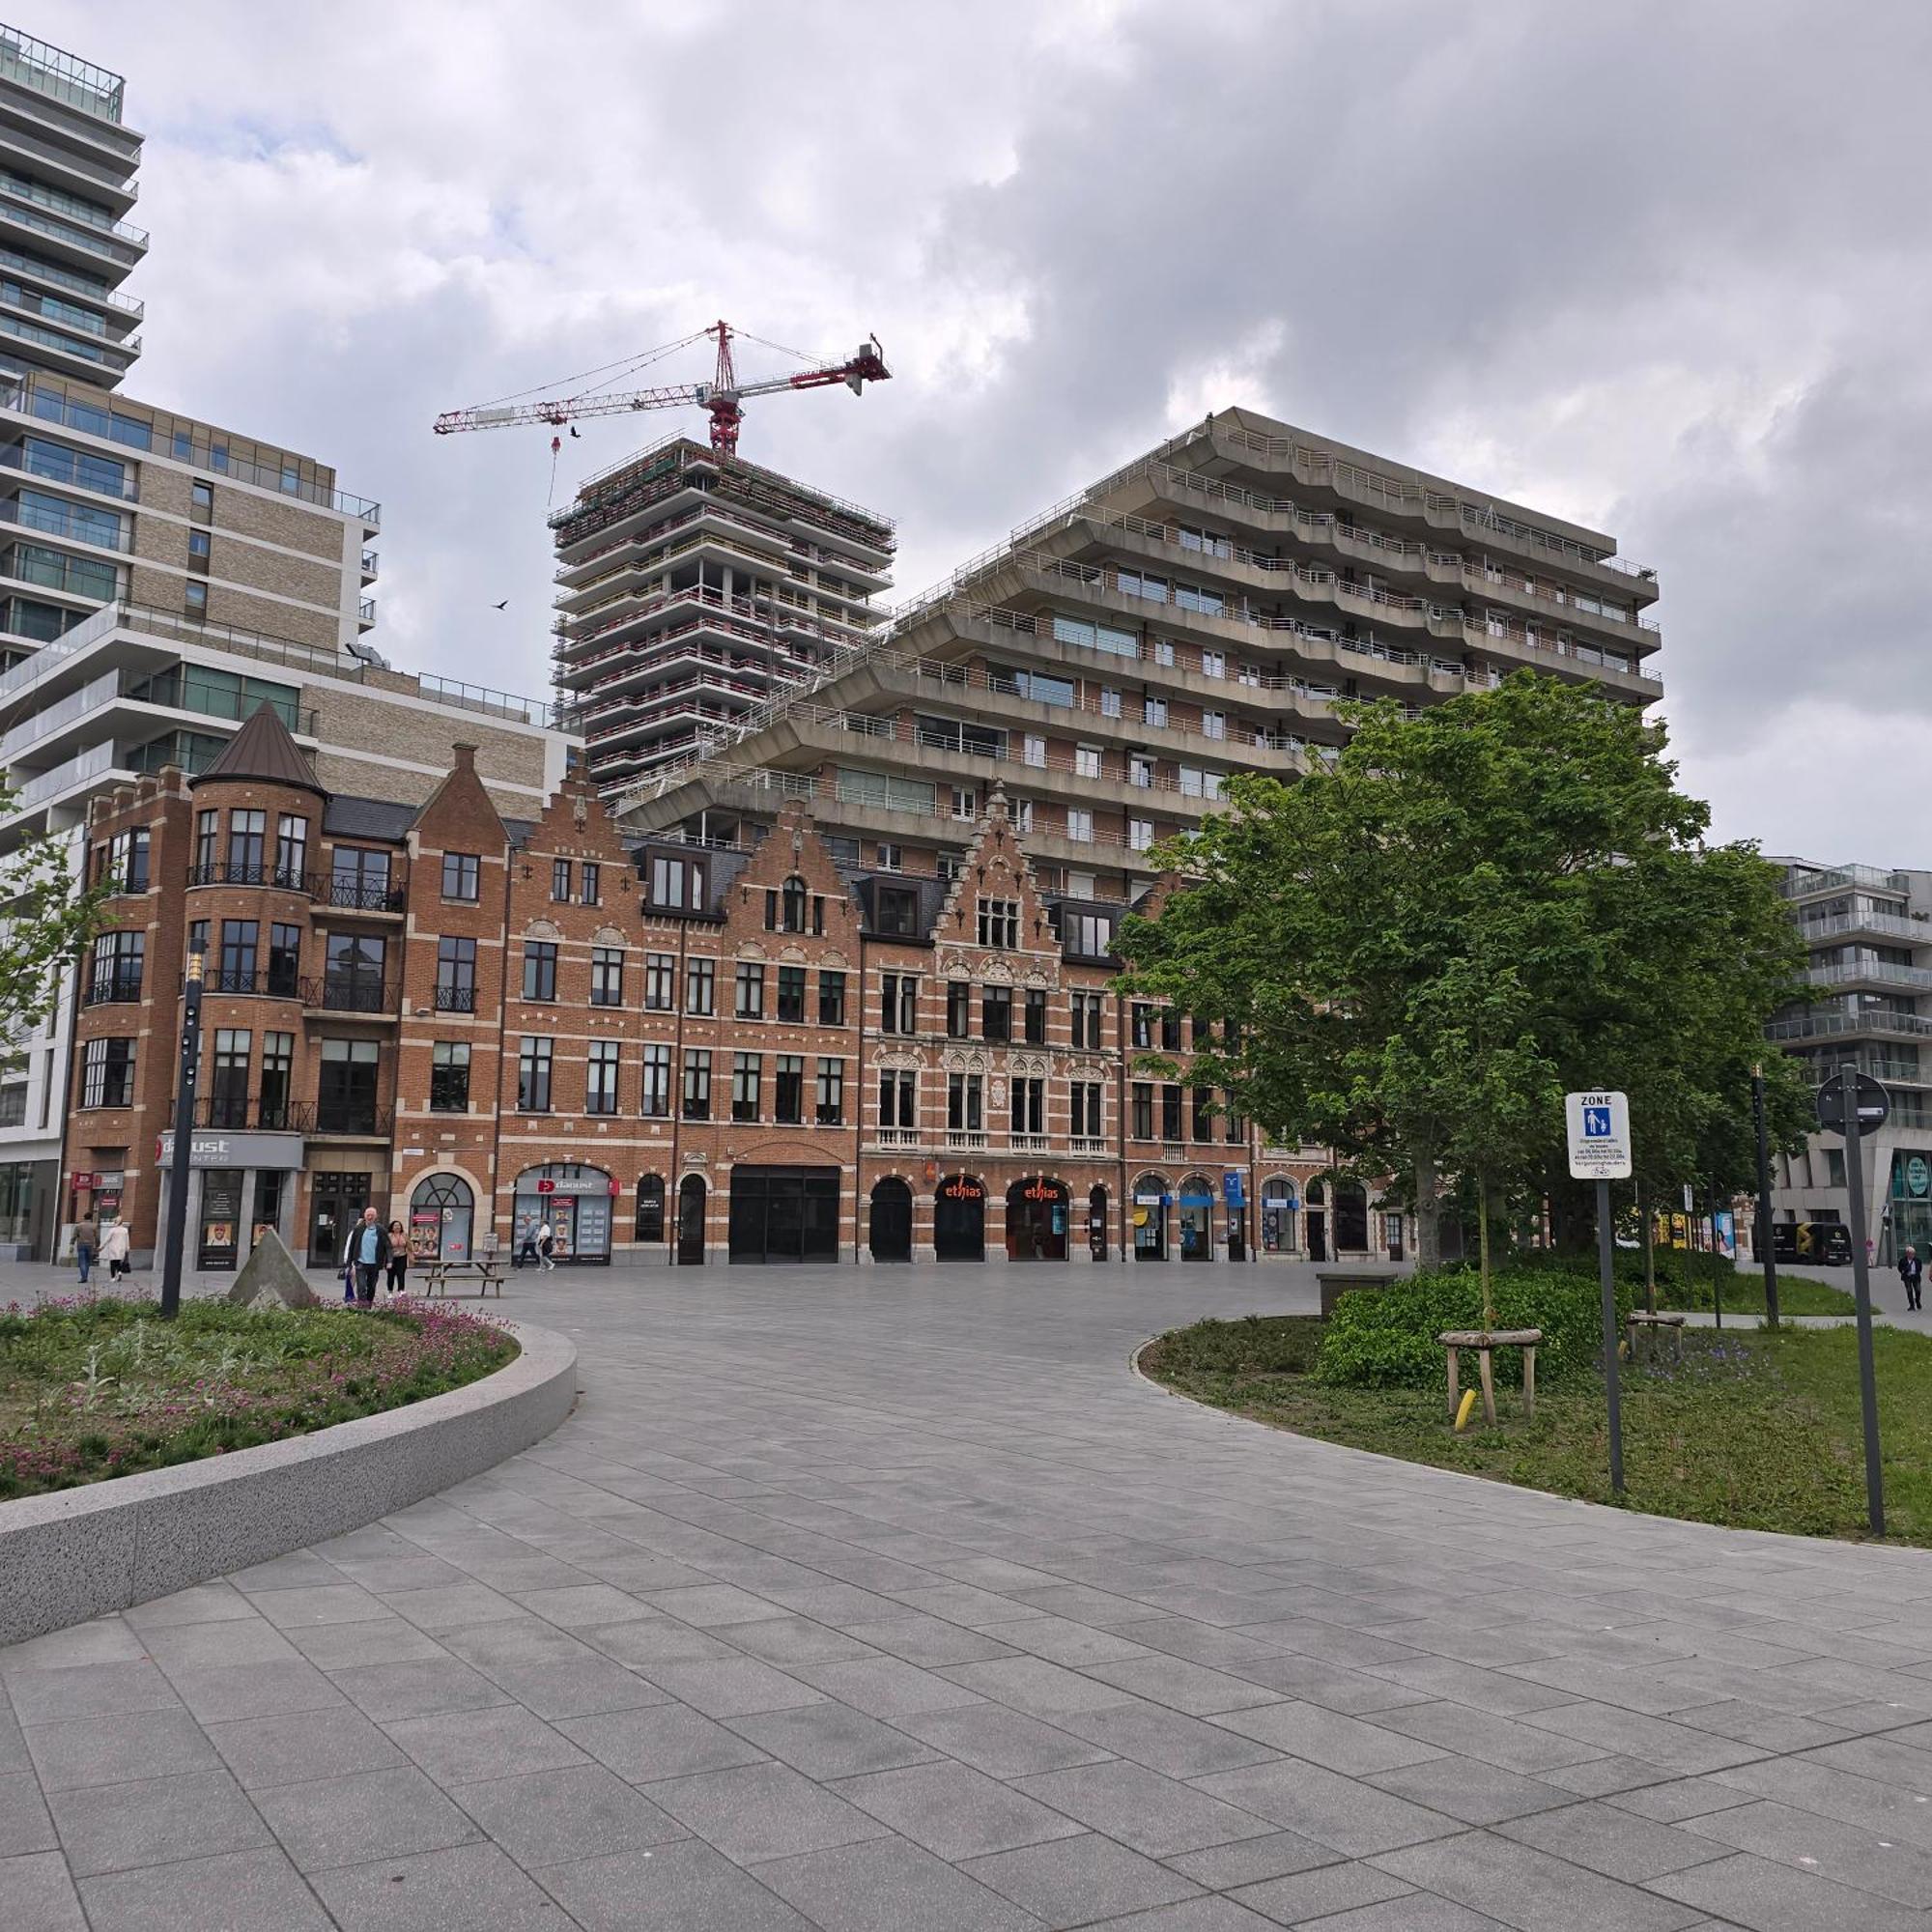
x,y
890,1597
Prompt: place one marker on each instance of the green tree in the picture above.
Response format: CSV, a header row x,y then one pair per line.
x,y
1423,942
46,918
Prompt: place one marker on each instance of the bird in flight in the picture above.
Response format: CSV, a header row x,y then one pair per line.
x,y
504,606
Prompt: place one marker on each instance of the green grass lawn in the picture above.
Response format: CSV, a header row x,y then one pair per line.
x,y
102,1387
1796,1295
1753,1430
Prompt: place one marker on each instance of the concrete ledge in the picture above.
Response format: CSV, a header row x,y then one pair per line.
x,y
78,1553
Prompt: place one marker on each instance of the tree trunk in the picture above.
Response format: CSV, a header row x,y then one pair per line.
x,y
1483,1244
1428,1212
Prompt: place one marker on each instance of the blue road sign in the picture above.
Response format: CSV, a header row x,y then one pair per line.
x,y
1596,1123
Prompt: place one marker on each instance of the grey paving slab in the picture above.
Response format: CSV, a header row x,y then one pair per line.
x,y
363,1815
109,1750
1075,1881
1310,1893
1160,1816
553,1817
688,1886
955,1810
827,1739
763,1812
37,1895
1767,1896
109,1828
890,1885
313,1744
430,1891
238,1892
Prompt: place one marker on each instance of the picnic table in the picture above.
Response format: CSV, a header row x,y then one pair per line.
x,y
485,1271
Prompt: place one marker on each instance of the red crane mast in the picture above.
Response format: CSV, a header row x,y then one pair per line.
x,y
722,397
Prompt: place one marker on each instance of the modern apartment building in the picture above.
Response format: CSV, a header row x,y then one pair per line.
x,y
478,1021
1868,940
693,589
1200,611
66,183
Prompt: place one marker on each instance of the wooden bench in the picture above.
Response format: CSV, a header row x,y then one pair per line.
x,y
1637,1323
486,1273
1483,1341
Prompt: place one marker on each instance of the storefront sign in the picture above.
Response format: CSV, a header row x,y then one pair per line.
x,y
1917,1176
1042,1190
1231,1188
270,1150
964,1190
572,1183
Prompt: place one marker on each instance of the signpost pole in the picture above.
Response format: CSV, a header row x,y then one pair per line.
x,y
1861,1282
1599,1151
175,1236
1761,1237
1716,1279
1606,1270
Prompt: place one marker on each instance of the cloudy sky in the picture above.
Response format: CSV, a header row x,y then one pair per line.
x,y
1662,267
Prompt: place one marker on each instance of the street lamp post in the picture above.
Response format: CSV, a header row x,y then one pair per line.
x,y
174,1237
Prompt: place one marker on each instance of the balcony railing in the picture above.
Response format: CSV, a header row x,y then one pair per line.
x,y
279,878
250,1113
361,1120
1870,973
895,1137
238,982
1029,1143
352,895
965,1140
113,989
456,999
349,993
1831,1025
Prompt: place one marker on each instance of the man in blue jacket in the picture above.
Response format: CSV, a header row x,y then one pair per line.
x,y
367,1252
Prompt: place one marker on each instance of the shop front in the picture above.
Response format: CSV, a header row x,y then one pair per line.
x,y
573,1202
1280,1206
1036,1213
443,1219
960,1219
1908,1207
1197,1219
238,1186
784,1214
889,1226
1151,1200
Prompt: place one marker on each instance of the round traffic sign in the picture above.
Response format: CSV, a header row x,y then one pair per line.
x,y
1869,1106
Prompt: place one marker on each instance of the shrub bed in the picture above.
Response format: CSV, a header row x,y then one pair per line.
x,y
102,1387
1385,1338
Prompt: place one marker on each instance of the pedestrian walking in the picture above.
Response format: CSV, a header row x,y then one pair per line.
x,y
526,1250
547,1247
86,1240
365,1255
1912,1272
114,1244
399,1258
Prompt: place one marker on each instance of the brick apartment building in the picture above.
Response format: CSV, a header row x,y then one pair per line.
x,y
670,1053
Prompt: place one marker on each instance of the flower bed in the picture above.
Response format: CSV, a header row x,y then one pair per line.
x,y
102,1387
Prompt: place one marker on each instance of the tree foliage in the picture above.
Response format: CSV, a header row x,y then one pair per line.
x,y
1425,942
46,918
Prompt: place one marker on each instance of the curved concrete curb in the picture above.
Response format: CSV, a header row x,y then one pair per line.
x,y
79,1552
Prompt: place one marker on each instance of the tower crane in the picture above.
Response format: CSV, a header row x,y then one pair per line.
x,y
724,397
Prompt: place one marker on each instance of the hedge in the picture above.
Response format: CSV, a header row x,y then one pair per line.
x,y
1385,1338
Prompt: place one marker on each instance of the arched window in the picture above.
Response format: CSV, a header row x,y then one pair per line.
x,y
651,1208
794,904
442,1216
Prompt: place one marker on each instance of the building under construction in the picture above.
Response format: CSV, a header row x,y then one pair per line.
x,y
692,589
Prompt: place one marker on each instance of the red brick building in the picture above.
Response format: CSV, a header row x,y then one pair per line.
x,y
665,1051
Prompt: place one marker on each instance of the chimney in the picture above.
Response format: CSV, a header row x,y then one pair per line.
x,y
465,756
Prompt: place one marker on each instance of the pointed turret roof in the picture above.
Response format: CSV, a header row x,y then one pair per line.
x,y
262,748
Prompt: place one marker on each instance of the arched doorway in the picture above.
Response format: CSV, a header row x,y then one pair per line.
x,y
960,1219
1037,1211
650,1212
1351,1218
1318,1221
1278,1211
1197,1219
691,1220
442,1214
574,1201
890,1227
1151,1199
1096,1223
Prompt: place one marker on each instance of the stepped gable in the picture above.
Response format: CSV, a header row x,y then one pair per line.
x,y
264,749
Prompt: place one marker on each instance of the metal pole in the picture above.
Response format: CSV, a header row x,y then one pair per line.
x,y
1606,1260
1716,1282
174,1237
1761,1238
1862,1280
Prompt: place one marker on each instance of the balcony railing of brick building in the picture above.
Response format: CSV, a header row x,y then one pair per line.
x,y
364,1120
349,993
113,988
250,1113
